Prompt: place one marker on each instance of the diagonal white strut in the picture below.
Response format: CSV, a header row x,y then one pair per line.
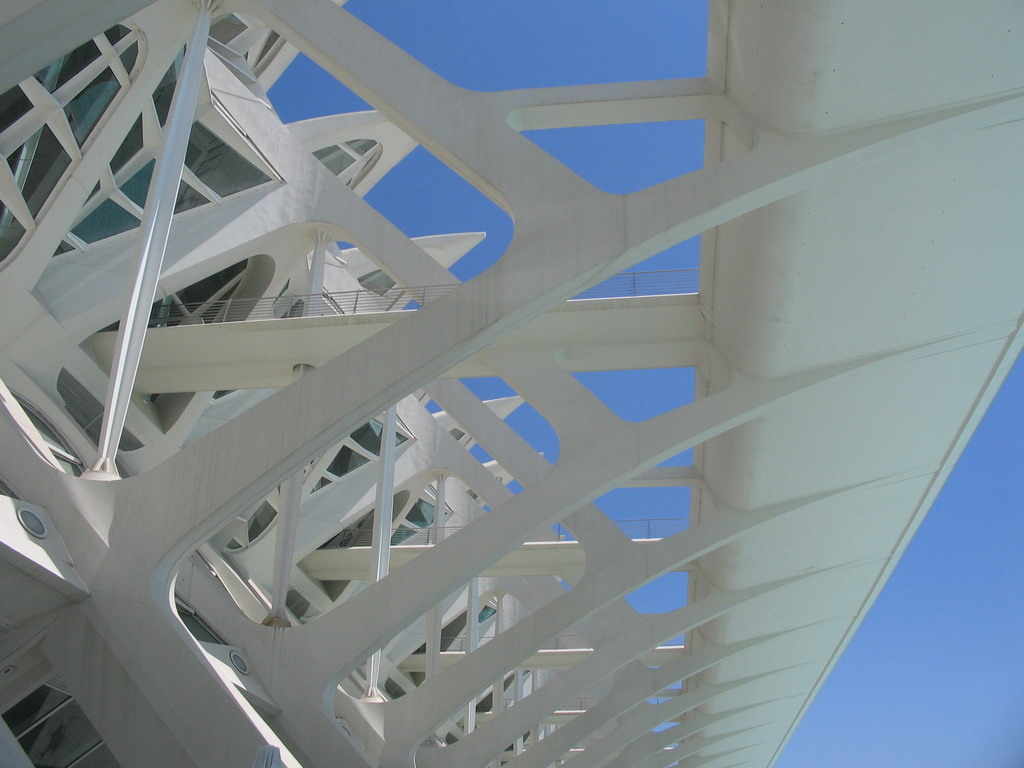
x,y
156,225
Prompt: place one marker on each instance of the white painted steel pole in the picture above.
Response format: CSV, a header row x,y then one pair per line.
x,y
156,224
498,693
287,527
383,513
315,302
291,489
435,619
473,640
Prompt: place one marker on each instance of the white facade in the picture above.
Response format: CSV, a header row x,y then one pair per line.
x,y
230,586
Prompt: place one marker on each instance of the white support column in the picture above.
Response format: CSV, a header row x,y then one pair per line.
x,y
291,489
156,225
315,302
383,512
518,696
498,692
472,641
287,526
435,619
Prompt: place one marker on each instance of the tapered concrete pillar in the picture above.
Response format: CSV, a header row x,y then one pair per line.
x,y
435,619
384,510
155,228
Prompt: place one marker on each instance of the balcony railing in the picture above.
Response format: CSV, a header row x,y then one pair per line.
x,y
396,299
646,528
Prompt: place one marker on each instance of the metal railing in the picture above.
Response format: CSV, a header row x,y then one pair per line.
x,y
645,528
396,299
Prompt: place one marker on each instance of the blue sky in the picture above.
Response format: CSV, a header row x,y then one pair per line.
x,y
934,677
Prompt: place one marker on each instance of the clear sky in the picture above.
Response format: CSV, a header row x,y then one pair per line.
x,y
935,676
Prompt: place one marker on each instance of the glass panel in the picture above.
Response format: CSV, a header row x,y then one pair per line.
x,y
13,104
377,281
64,247
486,613
84,111
116,32
101,758
368,436
107,220
204,289
227,29
272,38
218,166
29,710
198,627
37,167
63,69
132,143
165,91
346,461
335,158
188,199
260,521
11,233
64,736
137,186
361,146
299,605
422,514
129,57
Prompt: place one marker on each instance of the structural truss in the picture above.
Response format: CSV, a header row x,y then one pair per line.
x,y
288,528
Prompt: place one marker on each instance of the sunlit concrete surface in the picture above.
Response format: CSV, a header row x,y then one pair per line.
x,y
319,546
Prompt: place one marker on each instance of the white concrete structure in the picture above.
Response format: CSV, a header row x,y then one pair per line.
x,y
858,307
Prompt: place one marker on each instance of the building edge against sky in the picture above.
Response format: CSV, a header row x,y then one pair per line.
x,y
318,531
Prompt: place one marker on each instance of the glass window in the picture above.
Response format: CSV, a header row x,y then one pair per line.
x,y
368,436
136,188
361,146
11,232
61,738
486,612
271,40
132,143
30,710
218,166
259,522
116,32
335,158
98,758
84,111
377,281
129,56
37,167
299,605
422,514
87,411
227,29
208,287
345,461
55,441
165,90
188,199
197,626
107,220
67,66
13,104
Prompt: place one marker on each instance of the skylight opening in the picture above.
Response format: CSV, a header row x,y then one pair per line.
x,y
664,594
647,513
535,43
640,394
622,159
420,195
